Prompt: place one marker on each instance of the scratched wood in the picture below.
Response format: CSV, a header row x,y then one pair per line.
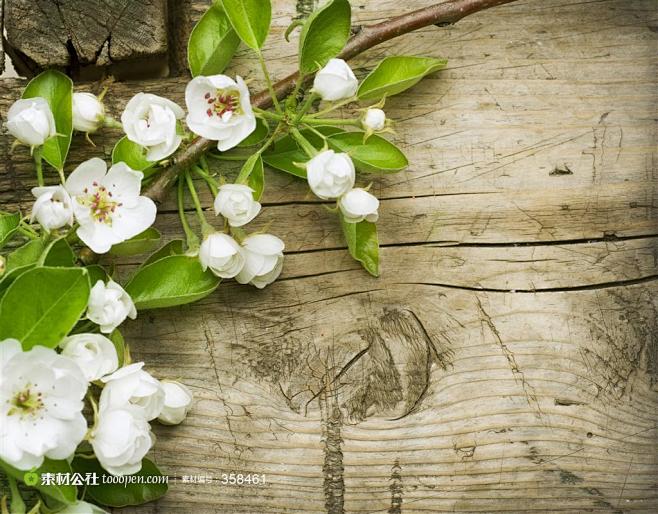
x,y
507,358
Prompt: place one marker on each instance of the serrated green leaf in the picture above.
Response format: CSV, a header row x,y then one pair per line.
x,y
250,19
44,318
212,43
170,281
57,89
141,243
59,254
324,35
363,244
375,155
8,226
396,74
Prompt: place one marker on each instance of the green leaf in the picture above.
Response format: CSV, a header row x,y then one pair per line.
x,y
57,89
59,254
250,19
62,493
121,494
29,253
259,134
175,247
363,244
119,345
132,154
143,242
43,318
375,155
324,35
285,152
8,225
173,280
212,43
395,74
256,179
95,273
254,162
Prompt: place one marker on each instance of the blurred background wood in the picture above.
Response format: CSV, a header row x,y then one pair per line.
x,y
507,359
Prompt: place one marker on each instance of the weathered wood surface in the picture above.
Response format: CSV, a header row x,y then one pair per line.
x,y
73,34
507,359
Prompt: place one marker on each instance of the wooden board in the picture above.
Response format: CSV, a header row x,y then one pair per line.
x,y
507,359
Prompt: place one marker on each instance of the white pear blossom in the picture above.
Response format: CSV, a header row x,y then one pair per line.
x,y
336,81
178,400
330,174
131,385
358,205
109,305
107,204
222,254
264,260
81,507
88,112
121,438
53,207
220,109
374,120
151,121
236,203
31,121
94,353
41,401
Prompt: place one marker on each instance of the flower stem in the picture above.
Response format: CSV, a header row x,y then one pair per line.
x,y
333,107
38,164
206,228
212,183
303,142
192,239
268,80
268,114
305,107
17,503
331,121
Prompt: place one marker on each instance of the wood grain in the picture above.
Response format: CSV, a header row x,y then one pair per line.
x,y
507,359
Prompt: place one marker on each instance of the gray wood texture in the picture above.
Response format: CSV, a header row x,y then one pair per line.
x,y
507,358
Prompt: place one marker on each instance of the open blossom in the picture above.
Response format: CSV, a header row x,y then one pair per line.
x,y
264,260
121,439
336,81
178,400
88,112
131,385
53,207
374,120
109,305
151,121
236,203
222,254
41,401
330,174
107,204
220,110
94,353
31,121
358,205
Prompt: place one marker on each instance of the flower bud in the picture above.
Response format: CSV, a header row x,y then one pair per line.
x,y
264,260
131,385
88,112
374,120
358,205
53,207
336,81
109,305
236,203
94,353
177,403
31,121
330,174
121,439
222,254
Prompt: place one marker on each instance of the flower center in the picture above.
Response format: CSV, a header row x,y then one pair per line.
x,y
100,202
26,402
224,102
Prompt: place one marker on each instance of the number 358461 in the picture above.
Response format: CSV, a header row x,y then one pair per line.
x,y
248,479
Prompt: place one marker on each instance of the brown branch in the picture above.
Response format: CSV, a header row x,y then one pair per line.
x,y
441,14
